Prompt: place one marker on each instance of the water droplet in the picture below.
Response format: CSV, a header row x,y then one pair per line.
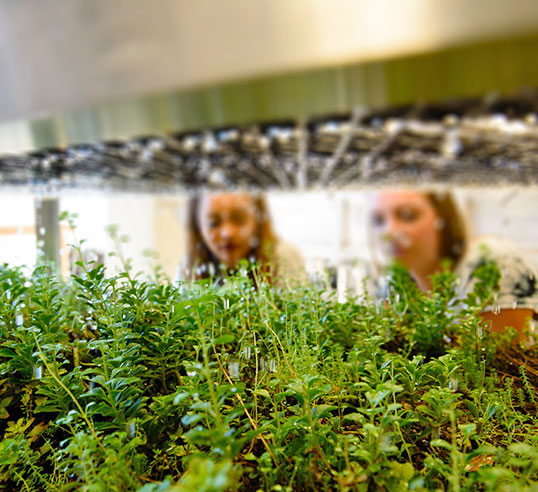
x,y
191,374
38,372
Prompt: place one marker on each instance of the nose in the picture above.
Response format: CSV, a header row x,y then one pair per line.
x,y
227,230
391,228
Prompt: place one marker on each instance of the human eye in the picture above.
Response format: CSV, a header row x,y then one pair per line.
x,y
408,214
213,221
378,219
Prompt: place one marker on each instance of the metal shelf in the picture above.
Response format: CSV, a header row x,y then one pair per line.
x,y
491,140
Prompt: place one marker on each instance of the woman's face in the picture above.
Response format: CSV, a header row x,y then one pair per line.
x,y
407,228
228,225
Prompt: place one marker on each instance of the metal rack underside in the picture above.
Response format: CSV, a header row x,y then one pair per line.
x,y
482,141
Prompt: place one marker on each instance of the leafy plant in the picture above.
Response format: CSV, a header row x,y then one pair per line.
x,y
119,383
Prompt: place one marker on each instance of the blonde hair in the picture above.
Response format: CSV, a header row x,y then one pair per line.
x,y
453,230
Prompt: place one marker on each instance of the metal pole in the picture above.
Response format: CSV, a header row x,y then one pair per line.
x,y
47,211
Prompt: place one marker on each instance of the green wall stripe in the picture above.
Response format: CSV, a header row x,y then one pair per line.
x,y
502,65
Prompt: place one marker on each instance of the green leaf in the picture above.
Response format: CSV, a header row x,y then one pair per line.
x,y
467,430
354,417
472,407
191,418
180,397
441,443
224,339
262,392
323,411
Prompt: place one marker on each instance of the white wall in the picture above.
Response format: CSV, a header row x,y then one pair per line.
x,y
511,213
133,216
17,218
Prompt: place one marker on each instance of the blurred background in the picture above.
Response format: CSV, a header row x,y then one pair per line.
x,y
78,71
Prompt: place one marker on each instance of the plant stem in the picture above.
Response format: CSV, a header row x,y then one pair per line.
x,y
251,420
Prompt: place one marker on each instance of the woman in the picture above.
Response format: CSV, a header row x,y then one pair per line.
x,y
227,227
421,229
